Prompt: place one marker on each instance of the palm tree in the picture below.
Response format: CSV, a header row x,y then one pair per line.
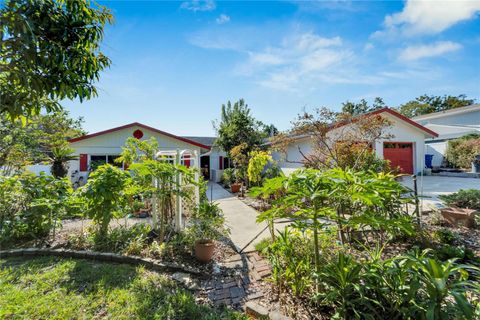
x,y
59,158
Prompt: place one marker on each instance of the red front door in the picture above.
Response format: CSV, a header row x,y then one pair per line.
x,y
400,154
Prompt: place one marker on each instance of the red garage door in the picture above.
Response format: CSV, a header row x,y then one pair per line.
x,y
400,154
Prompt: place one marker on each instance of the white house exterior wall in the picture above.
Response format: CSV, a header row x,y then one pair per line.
x,y
400,132
111,144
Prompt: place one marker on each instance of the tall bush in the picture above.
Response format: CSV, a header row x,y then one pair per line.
x,y
256,165
104,196
461,152
31,206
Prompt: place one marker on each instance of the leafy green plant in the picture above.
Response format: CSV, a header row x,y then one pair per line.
x,y
447,236
104,196
166,187
256,165
59,159
461,152
442,282
469,198
31,205
291,261
208,223
228,176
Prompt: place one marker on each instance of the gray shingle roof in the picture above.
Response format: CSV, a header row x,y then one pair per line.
x,y
208,141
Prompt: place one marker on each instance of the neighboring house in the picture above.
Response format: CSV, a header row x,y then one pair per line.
x,y
450,124
405,148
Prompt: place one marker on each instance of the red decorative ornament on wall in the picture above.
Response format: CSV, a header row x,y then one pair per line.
x,y
138,134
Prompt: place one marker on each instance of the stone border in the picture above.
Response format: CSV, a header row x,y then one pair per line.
x,y
98,256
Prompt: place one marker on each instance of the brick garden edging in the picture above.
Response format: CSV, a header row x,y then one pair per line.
x,y
97,256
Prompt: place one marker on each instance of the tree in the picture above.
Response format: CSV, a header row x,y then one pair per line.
x,y
238,126
49,51
362,107
428,104
23,144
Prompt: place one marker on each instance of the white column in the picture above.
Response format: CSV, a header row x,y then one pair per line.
x,y
178,207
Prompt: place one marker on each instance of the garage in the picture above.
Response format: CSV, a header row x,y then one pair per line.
x,y
400,155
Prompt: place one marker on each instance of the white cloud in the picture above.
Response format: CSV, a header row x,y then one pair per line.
x,y
223,18
430,50
199,5
297,61
423,17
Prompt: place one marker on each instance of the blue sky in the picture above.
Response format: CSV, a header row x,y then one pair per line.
x,y
175,63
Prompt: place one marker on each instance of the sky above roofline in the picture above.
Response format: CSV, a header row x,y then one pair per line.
x,y
175,63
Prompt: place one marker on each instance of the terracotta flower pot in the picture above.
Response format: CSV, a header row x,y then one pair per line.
x,y
204,249
235,187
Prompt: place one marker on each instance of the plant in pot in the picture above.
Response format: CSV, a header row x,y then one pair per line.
x,y
228,177
207,225
235,187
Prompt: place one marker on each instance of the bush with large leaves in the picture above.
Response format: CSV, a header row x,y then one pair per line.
x,y
31,206
104,196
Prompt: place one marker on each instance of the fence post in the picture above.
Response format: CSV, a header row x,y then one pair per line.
x,y
417,206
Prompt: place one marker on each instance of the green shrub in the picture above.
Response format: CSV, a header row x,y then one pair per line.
x,y
104,196
469,198
446,236
461,152
228,176
31,205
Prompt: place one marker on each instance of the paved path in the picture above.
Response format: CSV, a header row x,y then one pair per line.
x,y
240,218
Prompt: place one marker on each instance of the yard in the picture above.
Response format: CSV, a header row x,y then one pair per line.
x,y
54,288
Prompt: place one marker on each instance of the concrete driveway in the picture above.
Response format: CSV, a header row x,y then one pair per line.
x,y
430,187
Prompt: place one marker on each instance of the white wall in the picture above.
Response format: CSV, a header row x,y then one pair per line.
x,y
438,150
112,143
470,118
215,155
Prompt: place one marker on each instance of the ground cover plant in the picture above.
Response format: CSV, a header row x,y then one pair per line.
x,y
33,289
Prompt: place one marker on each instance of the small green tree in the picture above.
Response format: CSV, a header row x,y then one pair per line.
x,y
104,195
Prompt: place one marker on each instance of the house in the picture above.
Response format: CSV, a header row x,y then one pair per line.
x,y
404,148
105,146
449,124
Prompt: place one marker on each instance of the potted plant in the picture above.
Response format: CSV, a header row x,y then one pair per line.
x,y
228,177
235,187
207,226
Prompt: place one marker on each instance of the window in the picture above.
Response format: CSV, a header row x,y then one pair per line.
x,y
98,160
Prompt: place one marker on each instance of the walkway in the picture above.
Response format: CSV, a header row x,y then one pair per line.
x,y
240,218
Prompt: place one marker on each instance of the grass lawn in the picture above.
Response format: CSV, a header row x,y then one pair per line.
x,y
54,288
